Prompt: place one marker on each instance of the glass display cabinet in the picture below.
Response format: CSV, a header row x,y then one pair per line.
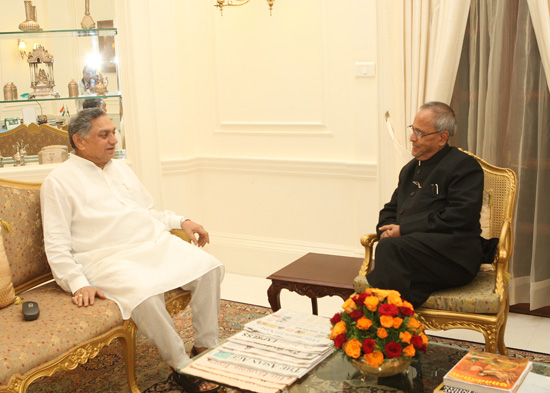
x,y
40,72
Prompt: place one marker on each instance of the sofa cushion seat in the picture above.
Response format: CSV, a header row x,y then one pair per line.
x,y
478,297
60,327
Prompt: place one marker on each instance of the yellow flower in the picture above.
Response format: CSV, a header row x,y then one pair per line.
x,y
386,321
405,337
409,350
380,293
395,298
397,322
371,303
382,333
364,323
352,348
337,329
375,359
349,306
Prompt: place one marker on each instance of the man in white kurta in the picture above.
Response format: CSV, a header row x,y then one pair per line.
x,y
104,239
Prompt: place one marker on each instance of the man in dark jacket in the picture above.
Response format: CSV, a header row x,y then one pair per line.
x,y
429,231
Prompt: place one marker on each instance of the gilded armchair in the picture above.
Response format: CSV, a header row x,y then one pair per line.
x,y
483,304
64,336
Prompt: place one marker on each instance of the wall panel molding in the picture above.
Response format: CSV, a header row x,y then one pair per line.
x,y
353,170
276,245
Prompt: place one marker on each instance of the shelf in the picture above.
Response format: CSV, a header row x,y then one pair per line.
x,y
108,32
118,95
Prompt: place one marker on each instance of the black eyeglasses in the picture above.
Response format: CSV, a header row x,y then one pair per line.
x,y
419,133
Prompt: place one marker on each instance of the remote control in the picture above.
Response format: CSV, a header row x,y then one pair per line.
x,y
30,311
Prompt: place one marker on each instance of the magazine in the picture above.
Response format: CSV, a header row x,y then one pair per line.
x,y
484,372
442,388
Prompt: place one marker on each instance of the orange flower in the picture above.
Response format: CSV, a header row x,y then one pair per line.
x,y
349,306
375,359
397,322
372,303
386,321
409,350
382,333
414,324
405,337
364,323
407,304
352,348
424,338
337,329
395,298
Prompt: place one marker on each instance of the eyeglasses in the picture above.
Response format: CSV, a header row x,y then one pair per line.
x,y
419,133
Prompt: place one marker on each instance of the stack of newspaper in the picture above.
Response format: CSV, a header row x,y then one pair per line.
x,y
270,354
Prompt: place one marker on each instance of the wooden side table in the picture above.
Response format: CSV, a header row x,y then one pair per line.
x,y
315,275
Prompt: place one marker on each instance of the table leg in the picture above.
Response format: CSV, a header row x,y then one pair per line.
x,y
314,306
273,296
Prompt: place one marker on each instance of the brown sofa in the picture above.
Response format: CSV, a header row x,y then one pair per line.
x,y
64,336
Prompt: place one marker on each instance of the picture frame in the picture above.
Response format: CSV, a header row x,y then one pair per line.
x,y
107,47
11,122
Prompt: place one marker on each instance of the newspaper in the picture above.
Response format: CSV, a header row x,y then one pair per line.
x,y
247,350
272,353
232,380
294,326
277,344
206,364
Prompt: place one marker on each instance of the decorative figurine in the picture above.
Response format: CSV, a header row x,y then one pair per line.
x,y
101,85
42,81
87,21
20,153
30,24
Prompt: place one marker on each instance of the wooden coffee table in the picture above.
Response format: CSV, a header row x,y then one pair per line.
x,y
315,275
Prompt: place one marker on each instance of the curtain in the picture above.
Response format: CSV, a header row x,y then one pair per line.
x,y
419,53
503,109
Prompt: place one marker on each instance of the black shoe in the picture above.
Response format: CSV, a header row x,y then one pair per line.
x,y
191,384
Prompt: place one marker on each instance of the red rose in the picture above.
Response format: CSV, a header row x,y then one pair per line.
x,y
356,315
368,345
335,319
418,343
388,309
360,299
339,340
406,311
393,349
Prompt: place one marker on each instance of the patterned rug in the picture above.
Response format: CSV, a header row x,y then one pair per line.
x,y
106,373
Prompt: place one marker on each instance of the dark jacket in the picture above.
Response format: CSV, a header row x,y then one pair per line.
x,y
439,200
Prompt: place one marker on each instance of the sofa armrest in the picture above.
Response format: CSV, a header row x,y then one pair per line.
x,y
368,242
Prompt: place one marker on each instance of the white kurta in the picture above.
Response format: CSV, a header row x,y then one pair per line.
x,y
100,230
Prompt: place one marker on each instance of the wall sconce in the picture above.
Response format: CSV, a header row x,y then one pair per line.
x,y
22,48
235,3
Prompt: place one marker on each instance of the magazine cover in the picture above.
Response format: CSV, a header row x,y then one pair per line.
x,y
485,372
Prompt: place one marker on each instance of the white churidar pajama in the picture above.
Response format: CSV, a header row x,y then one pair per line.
x,y
100,230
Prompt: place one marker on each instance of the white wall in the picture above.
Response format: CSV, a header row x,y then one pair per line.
x,y
255,125
269,139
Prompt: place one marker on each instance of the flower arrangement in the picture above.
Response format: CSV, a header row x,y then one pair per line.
x,y
377,325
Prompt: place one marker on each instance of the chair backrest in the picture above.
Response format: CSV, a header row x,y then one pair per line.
x,y
24,242
33,135
502,182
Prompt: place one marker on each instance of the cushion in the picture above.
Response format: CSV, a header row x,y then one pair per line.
x,y
478,297
485,218
60,327
7,293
